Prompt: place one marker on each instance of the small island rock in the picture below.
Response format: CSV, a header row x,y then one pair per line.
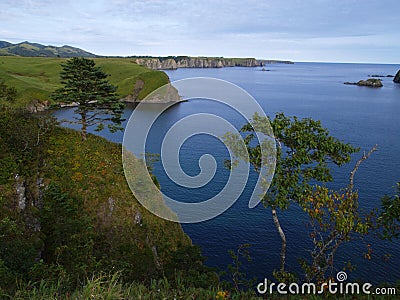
x,y
397,77
372,82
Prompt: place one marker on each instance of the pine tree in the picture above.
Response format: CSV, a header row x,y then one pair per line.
x,y
86,85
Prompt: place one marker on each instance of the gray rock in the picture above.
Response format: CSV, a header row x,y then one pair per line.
x,y
111,205
397,77
372,82
138,218
20,190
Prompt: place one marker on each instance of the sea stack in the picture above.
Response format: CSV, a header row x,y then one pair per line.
x,y
397,77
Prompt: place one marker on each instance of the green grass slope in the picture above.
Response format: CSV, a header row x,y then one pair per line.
x,y
35,78
79,216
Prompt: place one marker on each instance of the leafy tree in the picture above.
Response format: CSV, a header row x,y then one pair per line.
x,y
334,218
304,150
68,232
389,216
23,139
238,276
86,85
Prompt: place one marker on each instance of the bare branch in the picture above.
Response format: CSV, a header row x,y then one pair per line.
x,y
364,157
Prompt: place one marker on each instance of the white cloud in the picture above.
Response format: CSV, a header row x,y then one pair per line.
x,y
280,29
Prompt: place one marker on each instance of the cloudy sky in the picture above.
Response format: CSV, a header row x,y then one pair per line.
x,y
307,30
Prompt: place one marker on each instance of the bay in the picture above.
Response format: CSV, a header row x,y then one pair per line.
x,y
359,115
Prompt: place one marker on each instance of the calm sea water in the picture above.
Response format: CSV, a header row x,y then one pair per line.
x,y
358,115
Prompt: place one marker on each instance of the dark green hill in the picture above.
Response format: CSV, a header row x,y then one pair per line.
x,y
4,44
38,50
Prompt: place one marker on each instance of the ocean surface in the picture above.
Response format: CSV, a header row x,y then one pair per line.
x,y
361,116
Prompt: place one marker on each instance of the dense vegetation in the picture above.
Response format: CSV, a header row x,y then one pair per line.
x,y
67,213
35,78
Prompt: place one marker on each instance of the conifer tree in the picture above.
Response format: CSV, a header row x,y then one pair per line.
x,y
86,85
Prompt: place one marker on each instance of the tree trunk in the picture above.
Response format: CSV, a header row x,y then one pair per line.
x,y
84,126
283,238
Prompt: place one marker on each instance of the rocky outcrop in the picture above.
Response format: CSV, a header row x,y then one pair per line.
x,y
172,63
38,106
397,77
372,82
20,190
166,94
377,75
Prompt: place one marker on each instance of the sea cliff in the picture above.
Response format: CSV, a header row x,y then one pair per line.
x,y
175,62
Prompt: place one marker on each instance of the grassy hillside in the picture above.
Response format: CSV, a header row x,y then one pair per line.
x,y
67,212
35,78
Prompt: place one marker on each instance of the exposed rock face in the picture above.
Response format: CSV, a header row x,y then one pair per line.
x,y
20,190
138,218
195,62
37,106
397,77
111,205
372,82
165,94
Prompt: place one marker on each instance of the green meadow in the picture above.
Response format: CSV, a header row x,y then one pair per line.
x,y
35,78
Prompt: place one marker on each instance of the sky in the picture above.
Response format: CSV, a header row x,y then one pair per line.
x,y
309,30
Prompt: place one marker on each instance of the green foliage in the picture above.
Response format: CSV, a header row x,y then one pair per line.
x,y
110,286
23,138
79,216
187,262
389,216
86,85
152,81
68,233
305,153
304,150
238,276
18,247
7,94
334,219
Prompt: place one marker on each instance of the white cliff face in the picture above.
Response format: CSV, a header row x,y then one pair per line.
x,y
195,62
20,190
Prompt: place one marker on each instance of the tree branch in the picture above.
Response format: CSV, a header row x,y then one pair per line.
x,y
364,157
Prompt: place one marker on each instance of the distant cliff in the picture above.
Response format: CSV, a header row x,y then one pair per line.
x,y
175,62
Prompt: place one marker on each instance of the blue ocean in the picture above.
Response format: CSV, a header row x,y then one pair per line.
x,y
361,116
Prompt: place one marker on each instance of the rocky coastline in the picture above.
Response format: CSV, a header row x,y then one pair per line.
x,y
172,63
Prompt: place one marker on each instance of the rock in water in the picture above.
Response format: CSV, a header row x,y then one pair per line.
x,y
372,82
397,77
